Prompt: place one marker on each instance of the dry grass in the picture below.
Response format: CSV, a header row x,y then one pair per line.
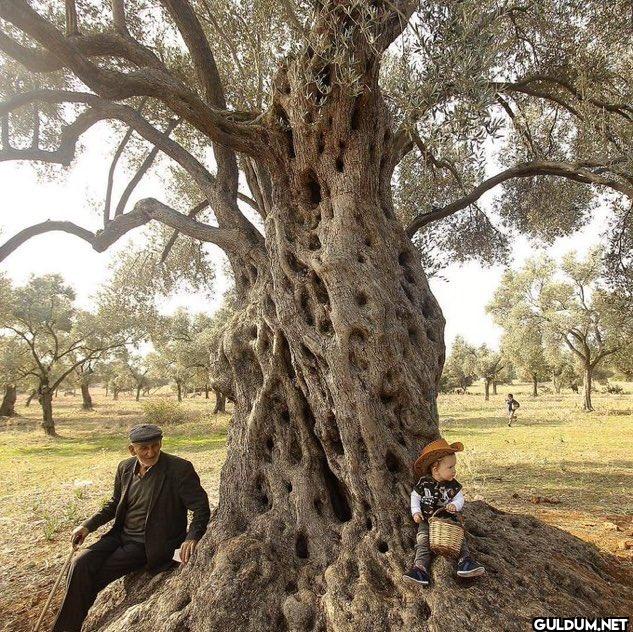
x,y
556,452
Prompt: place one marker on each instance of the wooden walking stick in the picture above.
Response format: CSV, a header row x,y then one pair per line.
x,y
50,596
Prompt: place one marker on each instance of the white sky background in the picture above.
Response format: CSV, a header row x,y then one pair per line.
x,y
462,294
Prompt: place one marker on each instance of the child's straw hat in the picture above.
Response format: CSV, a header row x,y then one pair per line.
x,y
433,452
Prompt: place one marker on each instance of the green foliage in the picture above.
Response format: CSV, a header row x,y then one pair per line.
x,y
164,412
459,370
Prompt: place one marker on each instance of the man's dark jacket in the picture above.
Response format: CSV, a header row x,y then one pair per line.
x,y
176,489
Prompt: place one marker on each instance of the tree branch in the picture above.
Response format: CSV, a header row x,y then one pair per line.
x,y
142,170
144,211
221,126
580,172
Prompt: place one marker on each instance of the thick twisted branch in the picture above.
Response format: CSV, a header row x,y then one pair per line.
x,y
143,212
580,172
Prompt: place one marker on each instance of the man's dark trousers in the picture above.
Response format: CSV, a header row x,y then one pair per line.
x,y
91,571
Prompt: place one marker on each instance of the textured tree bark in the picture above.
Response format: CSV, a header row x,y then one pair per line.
x,y
86,398
494,387
586,387
138,392
487,389
179,390
7,408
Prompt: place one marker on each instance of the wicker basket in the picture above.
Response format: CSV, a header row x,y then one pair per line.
x,y
445,535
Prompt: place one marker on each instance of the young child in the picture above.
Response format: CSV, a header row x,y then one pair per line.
x,y
437,488
512,405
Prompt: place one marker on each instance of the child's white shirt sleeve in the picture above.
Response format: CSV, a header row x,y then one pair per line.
x,y
415,503
458,500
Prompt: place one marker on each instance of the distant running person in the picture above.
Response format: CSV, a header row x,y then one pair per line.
x,y
512,405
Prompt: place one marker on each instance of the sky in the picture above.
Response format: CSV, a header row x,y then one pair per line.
x,y
463,292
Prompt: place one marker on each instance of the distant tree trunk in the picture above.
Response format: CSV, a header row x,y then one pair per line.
x,y
494,387
138,392
86,403
46,401
106,390
179,390
534,386
206,391
586,387
487,389
220,402
115,392
7,408
30,397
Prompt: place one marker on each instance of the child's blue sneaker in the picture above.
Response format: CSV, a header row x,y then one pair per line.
x,y
417,575
467,567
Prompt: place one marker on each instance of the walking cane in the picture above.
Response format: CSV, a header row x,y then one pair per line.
x,y
50,597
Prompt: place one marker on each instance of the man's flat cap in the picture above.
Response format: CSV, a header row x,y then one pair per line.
x,y
144,433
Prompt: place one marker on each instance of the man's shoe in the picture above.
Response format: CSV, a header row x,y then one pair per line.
x,y
417,575
467,567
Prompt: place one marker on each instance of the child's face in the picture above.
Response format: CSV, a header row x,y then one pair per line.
x,y
444,469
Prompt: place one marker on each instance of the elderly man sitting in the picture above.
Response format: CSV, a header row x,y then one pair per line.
x,y
152,492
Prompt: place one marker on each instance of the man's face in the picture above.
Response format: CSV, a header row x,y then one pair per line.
x,y
146,453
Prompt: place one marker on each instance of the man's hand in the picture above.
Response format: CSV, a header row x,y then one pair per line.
x,y
418,517
187,549
451,507
79,535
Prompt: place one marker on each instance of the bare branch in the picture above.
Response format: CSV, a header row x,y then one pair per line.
x,y
118,16
72,27
142,170
172,240
580,172
226,128
143,212
115,160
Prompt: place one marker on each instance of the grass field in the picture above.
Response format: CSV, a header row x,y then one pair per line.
x,y
572,469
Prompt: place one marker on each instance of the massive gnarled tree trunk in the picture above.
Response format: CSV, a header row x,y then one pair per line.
x,y
333,364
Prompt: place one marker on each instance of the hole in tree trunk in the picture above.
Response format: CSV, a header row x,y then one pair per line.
x,y
291,587
360,258
340,165
311,188
261,494
314,243
320,290
337,493
268,456
295,264
288,486
318,505
369,524
413,335
382,546
301,546
361,298
392,462
325,326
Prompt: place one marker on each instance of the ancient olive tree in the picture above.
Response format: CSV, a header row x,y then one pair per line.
x,y
333,359
573,310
